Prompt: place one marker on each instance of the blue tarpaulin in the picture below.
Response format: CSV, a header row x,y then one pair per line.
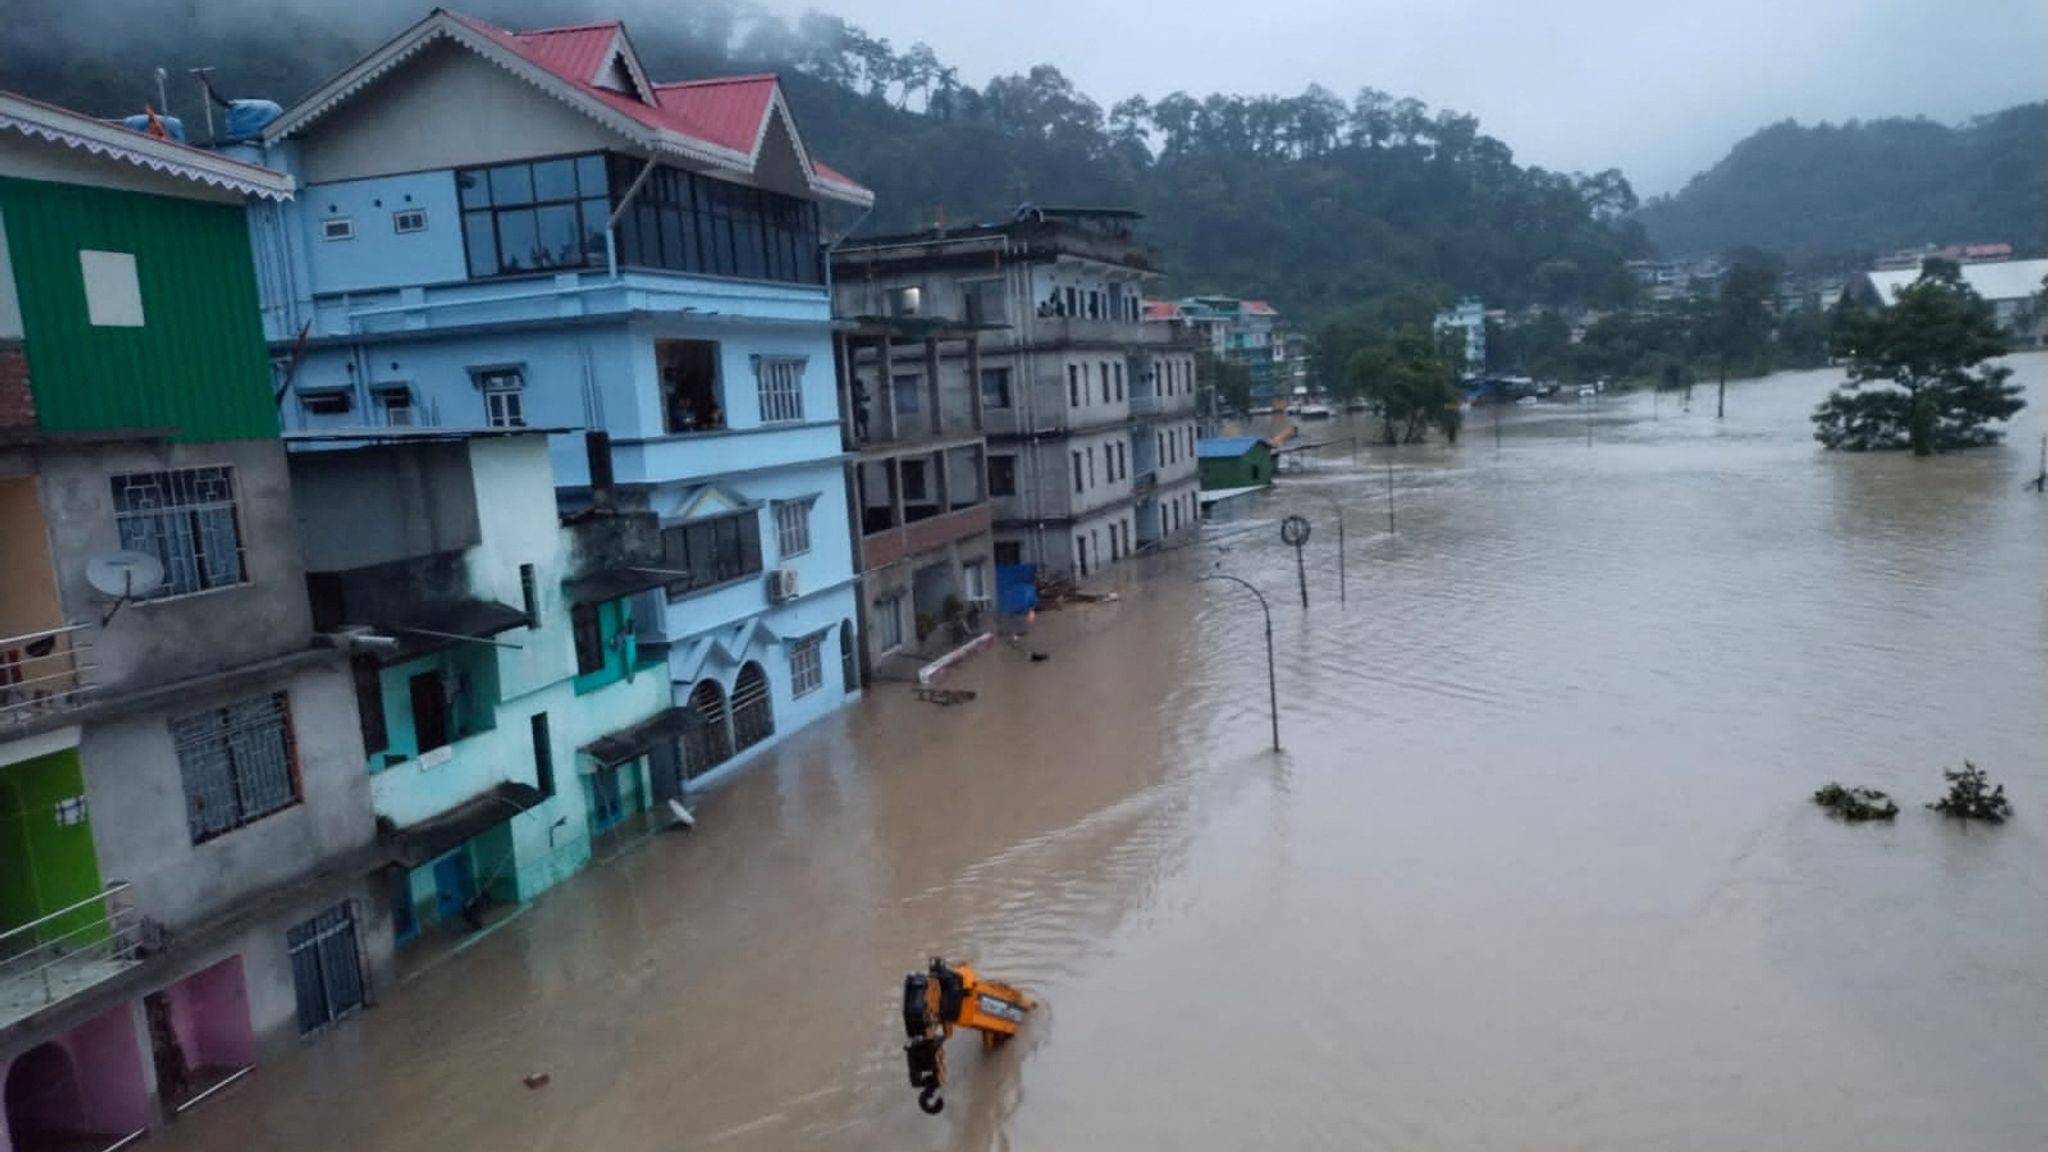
x,y
1016,588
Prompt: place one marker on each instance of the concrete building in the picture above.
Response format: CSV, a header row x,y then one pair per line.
x,y
502,230
186,838
912,405
1247,332
510,719
2012,287
1467,318
1089,411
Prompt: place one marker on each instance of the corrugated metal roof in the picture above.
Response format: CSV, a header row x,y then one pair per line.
x,y
1995,280
1161,310
63,126
1225,447
728,112
1260,308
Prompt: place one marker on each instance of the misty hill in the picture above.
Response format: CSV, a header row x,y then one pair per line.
x,y
1835,195
1312,201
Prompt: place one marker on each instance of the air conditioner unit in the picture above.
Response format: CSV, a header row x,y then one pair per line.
x,y
782,584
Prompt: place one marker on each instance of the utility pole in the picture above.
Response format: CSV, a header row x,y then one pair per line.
x,y
1272,683
2040,484
1390,495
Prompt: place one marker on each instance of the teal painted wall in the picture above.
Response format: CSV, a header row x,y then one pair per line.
x,y
45,865
198,363
1250,470
470,712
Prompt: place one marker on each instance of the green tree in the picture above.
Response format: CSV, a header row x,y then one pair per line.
x,y
1741,323
1917,372
1224,385
1413,387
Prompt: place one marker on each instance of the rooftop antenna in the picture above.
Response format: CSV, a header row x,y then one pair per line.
x,y
125,576
163,101
206,98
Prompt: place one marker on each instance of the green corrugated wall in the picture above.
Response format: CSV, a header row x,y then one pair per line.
x,y
198,364
46,865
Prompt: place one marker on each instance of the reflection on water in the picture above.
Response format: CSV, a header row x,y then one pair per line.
x,y
1535,871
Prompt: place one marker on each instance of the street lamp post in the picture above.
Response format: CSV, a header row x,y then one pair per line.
x,y
1272,684
1294,533
1343,580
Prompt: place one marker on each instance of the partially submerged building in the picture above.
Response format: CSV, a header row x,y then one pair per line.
x,y
1089,412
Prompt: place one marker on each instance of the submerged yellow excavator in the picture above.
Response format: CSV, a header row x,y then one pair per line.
x,y
945,997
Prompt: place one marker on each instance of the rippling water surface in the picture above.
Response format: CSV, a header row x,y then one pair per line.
x,y
1535,871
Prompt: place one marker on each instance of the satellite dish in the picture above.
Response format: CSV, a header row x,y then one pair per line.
x,y
124,575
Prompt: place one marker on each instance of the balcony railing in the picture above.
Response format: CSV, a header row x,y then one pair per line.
x,y
1144,405
43,674
57,956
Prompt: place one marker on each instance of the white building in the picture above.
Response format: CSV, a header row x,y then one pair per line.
x,y
1468,316
2013,288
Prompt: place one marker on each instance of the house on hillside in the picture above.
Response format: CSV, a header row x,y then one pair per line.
x,y
503,229
187,848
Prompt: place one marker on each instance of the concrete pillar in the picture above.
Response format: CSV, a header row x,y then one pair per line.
x,y
896,489
888,387
842,368
974,383
931,384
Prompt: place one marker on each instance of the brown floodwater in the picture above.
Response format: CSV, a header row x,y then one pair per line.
x,y
1537,868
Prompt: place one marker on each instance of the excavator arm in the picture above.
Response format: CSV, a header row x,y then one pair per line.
x,y
942,998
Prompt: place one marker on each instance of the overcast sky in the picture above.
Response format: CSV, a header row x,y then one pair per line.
x,y
1657,89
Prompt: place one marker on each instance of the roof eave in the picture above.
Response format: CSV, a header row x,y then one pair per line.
x,y
60,126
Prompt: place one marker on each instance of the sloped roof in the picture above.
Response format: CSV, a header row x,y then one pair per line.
x,y
1259,308
1225,447
719,124
1993,280
1161,310
115,142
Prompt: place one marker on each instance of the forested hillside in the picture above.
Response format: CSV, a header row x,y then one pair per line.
x,y
1834,195
1314,201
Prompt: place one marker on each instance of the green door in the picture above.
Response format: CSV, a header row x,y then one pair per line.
x,y
47,859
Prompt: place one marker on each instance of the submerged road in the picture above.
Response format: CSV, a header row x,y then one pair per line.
x,y
1536,870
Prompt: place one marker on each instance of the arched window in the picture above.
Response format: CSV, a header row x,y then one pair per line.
x,y
849,660
708,744
753,708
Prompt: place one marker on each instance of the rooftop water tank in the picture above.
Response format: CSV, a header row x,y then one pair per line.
x,y
248,118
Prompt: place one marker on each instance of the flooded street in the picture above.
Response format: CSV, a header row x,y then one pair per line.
x,y
1537,868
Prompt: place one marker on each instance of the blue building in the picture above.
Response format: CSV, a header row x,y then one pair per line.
x,y
499,230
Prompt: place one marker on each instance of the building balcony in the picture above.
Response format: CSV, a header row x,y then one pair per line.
x,y
44,675
922,533
1144,481
70,951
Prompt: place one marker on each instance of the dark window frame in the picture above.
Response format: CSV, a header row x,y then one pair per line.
x,y
732,556
586,624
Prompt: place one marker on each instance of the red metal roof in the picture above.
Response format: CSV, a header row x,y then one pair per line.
x,y
727,113
1259,308
1161,310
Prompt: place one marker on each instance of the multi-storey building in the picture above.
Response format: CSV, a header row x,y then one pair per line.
x,y
186,838
1466,322
509,717
1247,332
912,406
1089,412
503,229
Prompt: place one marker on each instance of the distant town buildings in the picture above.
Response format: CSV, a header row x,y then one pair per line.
x,y
1089,412
1910,259
1468,318
1246,332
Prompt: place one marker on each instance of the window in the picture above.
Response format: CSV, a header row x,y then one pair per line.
x,y
396,401
369,686
238,764
1091,465
780,381
1009,552
986,302
186,519
327,969
1119,382
543,755
713,551
906,301
684,222
1002,475
407,220
690,396
529,595
1073,303
327,401
113,292
907,386
338,228
589,631
807,666
1073,386
1077,472
792,527
889,622
974,581
753,708
520,218
915,480
849,659
504,392
1105,382
995,387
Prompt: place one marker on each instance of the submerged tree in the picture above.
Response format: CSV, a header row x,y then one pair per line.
x,y
1407,378
1917,376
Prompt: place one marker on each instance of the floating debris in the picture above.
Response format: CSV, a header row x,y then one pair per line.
x,y
945,696
1971,796
1856,804
537,1079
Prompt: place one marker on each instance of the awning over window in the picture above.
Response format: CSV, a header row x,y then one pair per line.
x,y
441,625
629,744
419,843
603,587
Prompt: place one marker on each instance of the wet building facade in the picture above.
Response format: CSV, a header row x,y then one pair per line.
x,y
520,229
1088,410
186,844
